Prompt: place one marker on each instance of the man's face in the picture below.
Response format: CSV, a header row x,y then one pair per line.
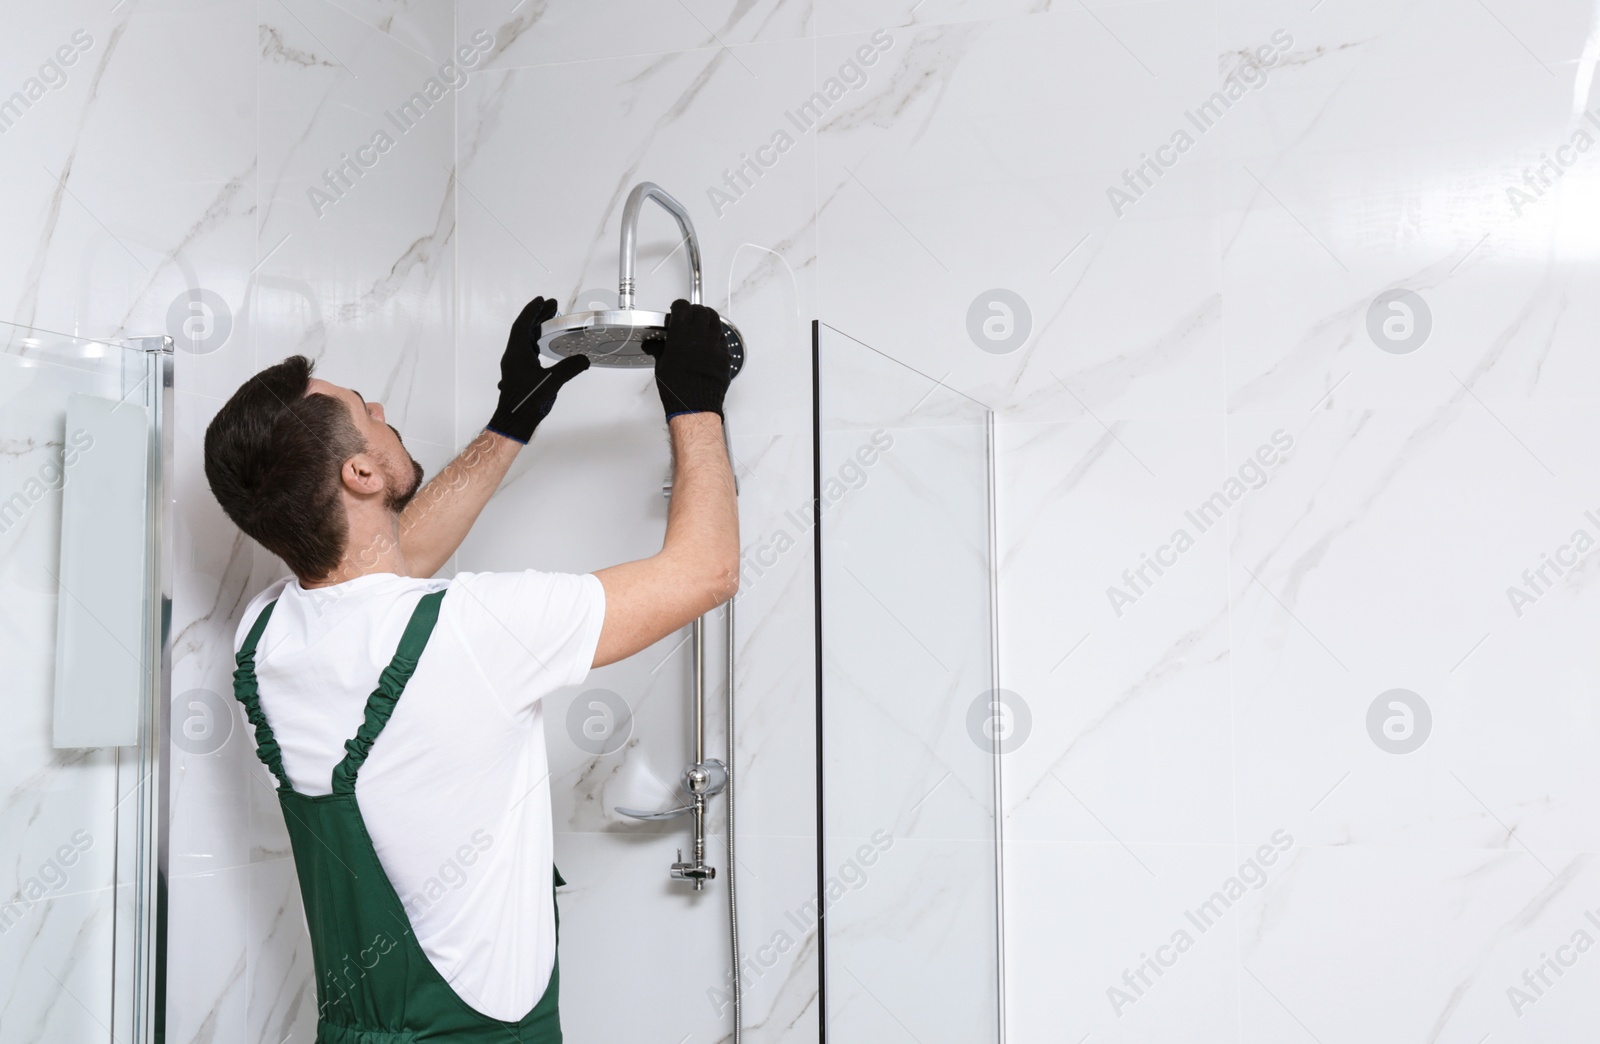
x,y
402,474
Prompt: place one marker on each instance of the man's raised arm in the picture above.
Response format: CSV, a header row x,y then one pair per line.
x,y
436,521
697,568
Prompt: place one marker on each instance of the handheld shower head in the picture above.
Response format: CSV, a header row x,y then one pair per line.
x,y
616,336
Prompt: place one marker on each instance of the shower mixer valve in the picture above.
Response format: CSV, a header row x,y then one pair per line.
x,y
697,871
707,777
702,780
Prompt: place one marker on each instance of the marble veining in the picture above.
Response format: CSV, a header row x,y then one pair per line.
x,y
1166,345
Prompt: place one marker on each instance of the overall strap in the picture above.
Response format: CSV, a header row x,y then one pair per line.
x,y
391,683
246,692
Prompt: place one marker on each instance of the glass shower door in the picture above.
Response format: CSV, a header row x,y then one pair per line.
x,y
82,651
911,723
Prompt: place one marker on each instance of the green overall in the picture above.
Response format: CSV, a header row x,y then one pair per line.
x,y
375,985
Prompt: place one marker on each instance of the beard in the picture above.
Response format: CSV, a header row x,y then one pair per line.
x,y
397,497
395,500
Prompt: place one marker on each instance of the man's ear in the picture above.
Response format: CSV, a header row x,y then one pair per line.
x,y
361,476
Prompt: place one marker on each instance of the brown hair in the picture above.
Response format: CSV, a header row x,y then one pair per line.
x,y
273,456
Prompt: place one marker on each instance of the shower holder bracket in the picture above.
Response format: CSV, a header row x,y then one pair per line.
x,y
705,779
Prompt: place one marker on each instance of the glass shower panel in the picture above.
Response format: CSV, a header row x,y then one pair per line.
x,y
909,875
81,649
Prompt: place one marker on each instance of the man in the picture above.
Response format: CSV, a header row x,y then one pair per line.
x,y
402,716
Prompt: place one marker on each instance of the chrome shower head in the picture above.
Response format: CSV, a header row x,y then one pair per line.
x,y
616,336
609,337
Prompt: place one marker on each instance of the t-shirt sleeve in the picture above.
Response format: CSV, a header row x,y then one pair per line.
x,y
531,632
252,611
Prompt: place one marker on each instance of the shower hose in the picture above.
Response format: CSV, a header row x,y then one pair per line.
x,y
733,898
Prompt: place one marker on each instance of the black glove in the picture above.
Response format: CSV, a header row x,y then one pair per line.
x,y
527,389
693,369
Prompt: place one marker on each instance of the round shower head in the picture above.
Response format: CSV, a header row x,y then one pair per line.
x,y
617,336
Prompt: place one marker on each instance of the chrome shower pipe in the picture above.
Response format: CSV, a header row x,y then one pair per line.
x,y
630,235
703,778
699,631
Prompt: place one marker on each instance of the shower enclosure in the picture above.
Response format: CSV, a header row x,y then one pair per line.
x,y
911,719
84,600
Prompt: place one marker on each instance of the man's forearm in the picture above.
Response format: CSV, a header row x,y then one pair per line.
x,y
435,523
697,568
703,518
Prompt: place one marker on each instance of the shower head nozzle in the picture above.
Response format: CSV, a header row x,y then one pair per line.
x,y
616,337
609,337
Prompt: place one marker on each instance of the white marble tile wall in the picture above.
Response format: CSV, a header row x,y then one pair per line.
x,y
1170,334
1413,881
1223,703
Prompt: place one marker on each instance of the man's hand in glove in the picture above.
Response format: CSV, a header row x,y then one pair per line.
x,y
527,389
693,369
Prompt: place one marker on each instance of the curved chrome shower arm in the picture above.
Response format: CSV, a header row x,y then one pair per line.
x,y
630,240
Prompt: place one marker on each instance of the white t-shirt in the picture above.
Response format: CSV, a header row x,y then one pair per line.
x,y
455,792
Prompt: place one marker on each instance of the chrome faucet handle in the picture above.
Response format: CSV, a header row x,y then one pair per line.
x,y
671,813
697,871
